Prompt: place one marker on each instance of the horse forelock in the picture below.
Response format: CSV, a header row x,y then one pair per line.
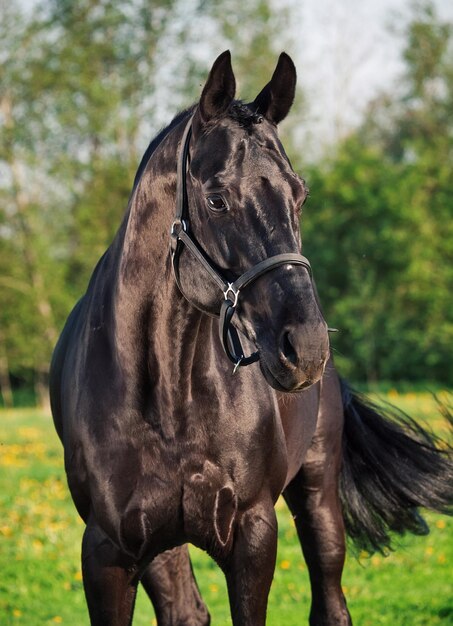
x,y
243,115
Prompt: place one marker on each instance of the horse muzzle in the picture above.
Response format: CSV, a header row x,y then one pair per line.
x,y
298,358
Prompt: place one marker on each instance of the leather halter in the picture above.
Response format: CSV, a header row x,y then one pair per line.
x,y
180,235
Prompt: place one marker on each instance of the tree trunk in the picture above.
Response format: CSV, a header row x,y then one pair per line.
x,y
32,262
42,387
5,382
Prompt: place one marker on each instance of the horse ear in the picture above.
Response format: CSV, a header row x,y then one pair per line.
x,y
219,90
275,100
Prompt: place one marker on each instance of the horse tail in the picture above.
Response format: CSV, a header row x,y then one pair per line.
x,y
391,466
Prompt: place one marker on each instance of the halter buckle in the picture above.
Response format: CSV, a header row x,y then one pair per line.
x,y
238,362
231,289
177,226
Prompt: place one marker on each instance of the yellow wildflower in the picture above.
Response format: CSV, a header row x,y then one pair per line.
x,y
37,545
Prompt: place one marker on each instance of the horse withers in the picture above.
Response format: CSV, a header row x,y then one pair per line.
x,y
163,444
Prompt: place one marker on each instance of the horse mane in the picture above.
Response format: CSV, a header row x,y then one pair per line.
x,y
158,139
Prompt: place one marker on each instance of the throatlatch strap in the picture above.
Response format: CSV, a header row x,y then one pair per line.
x,y
181,172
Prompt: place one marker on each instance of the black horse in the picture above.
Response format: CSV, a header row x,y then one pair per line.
x,y
163,444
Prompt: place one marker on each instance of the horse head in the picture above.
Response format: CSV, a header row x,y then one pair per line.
x,y
243,205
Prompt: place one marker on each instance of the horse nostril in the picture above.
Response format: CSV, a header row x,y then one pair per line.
x,y
287,349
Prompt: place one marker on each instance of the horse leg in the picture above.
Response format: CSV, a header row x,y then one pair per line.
x,y
313,499
170,583
109,580
250,566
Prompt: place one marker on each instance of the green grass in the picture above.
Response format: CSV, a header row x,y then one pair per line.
x,y
40,579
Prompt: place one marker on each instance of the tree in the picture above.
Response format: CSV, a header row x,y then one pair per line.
x,y
72,111
379,224
81,84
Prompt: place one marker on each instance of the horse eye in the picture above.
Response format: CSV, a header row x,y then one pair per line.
x,y
217,203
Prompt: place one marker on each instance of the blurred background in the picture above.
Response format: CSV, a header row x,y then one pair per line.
x,y
84,86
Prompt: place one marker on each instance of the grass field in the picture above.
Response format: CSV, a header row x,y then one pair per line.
x,y
41,582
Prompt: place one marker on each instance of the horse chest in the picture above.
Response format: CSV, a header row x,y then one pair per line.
x,y
222,463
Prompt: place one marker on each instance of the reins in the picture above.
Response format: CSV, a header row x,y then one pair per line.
x,y
180,235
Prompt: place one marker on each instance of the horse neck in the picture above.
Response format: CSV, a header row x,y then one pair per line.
x,y
153,320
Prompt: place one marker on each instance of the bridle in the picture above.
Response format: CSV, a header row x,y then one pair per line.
x,y
180,235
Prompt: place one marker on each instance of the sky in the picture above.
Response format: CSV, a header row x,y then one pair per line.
x,y
348,52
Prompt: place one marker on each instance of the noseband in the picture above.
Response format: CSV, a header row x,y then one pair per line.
x,y
180,235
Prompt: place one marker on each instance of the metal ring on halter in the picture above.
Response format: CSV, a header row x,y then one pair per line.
x,y
235,292
238,363
176,223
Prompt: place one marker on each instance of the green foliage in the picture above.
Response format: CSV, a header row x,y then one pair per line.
x,y
76,106
74,97
379,226
79,83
